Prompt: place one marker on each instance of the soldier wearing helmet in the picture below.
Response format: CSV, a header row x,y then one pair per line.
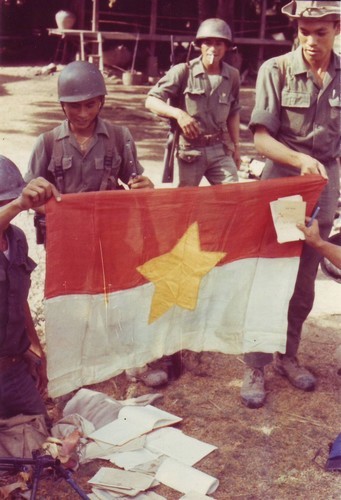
x,y
296,125
20,392
202,96
85,152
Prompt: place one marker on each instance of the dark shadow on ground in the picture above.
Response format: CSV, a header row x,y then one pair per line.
x,y
123,107
5,79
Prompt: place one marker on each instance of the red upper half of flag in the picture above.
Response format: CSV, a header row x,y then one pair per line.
x,y
95,241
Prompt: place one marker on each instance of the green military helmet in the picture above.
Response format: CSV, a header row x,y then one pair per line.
x,y
80,81
323,10
214,28
11,181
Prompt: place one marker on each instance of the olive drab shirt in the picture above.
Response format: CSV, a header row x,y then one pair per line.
x,y
211,108
15,272
84,172
293,108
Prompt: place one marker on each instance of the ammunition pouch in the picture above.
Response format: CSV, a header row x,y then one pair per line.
x,y
189,155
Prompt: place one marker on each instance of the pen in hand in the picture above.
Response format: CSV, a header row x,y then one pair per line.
x,y
313,217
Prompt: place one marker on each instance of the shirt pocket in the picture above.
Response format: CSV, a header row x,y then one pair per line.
x,y
21,281
115,163
222,111
295,116
25,263
194,100
102,173
335,108
65,163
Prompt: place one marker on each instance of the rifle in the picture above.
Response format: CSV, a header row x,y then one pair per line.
x,y
174,129
39,463
168,160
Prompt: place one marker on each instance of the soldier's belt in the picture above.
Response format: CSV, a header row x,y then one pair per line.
x,y
202,141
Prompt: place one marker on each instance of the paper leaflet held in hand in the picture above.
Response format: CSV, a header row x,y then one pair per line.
x,y
286,213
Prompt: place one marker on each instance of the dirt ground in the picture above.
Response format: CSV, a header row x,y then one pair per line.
x,y
276,452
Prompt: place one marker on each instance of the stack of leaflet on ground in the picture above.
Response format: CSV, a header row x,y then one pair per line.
x,y
147,450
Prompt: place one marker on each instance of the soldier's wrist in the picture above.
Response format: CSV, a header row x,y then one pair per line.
x,y
17,205
178,113
296,160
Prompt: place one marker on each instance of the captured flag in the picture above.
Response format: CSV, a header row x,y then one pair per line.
x,y
134,275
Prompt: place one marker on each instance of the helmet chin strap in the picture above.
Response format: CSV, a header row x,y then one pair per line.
x,y
62,106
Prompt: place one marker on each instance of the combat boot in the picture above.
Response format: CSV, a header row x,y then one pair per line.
x,y
297,375
149,376
253,390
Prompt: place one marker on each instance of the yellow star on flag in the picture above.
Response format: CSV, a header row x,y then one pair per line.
x,y
178,273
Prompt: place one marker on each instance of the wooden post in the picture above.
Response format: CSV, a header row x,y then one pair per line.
x,y
152,68
81,44
95,9
262,33
100,51
152,26
78,8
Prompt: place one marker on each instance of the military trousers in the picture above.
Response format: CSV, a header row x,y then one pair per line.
x,y
214,162
303,296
